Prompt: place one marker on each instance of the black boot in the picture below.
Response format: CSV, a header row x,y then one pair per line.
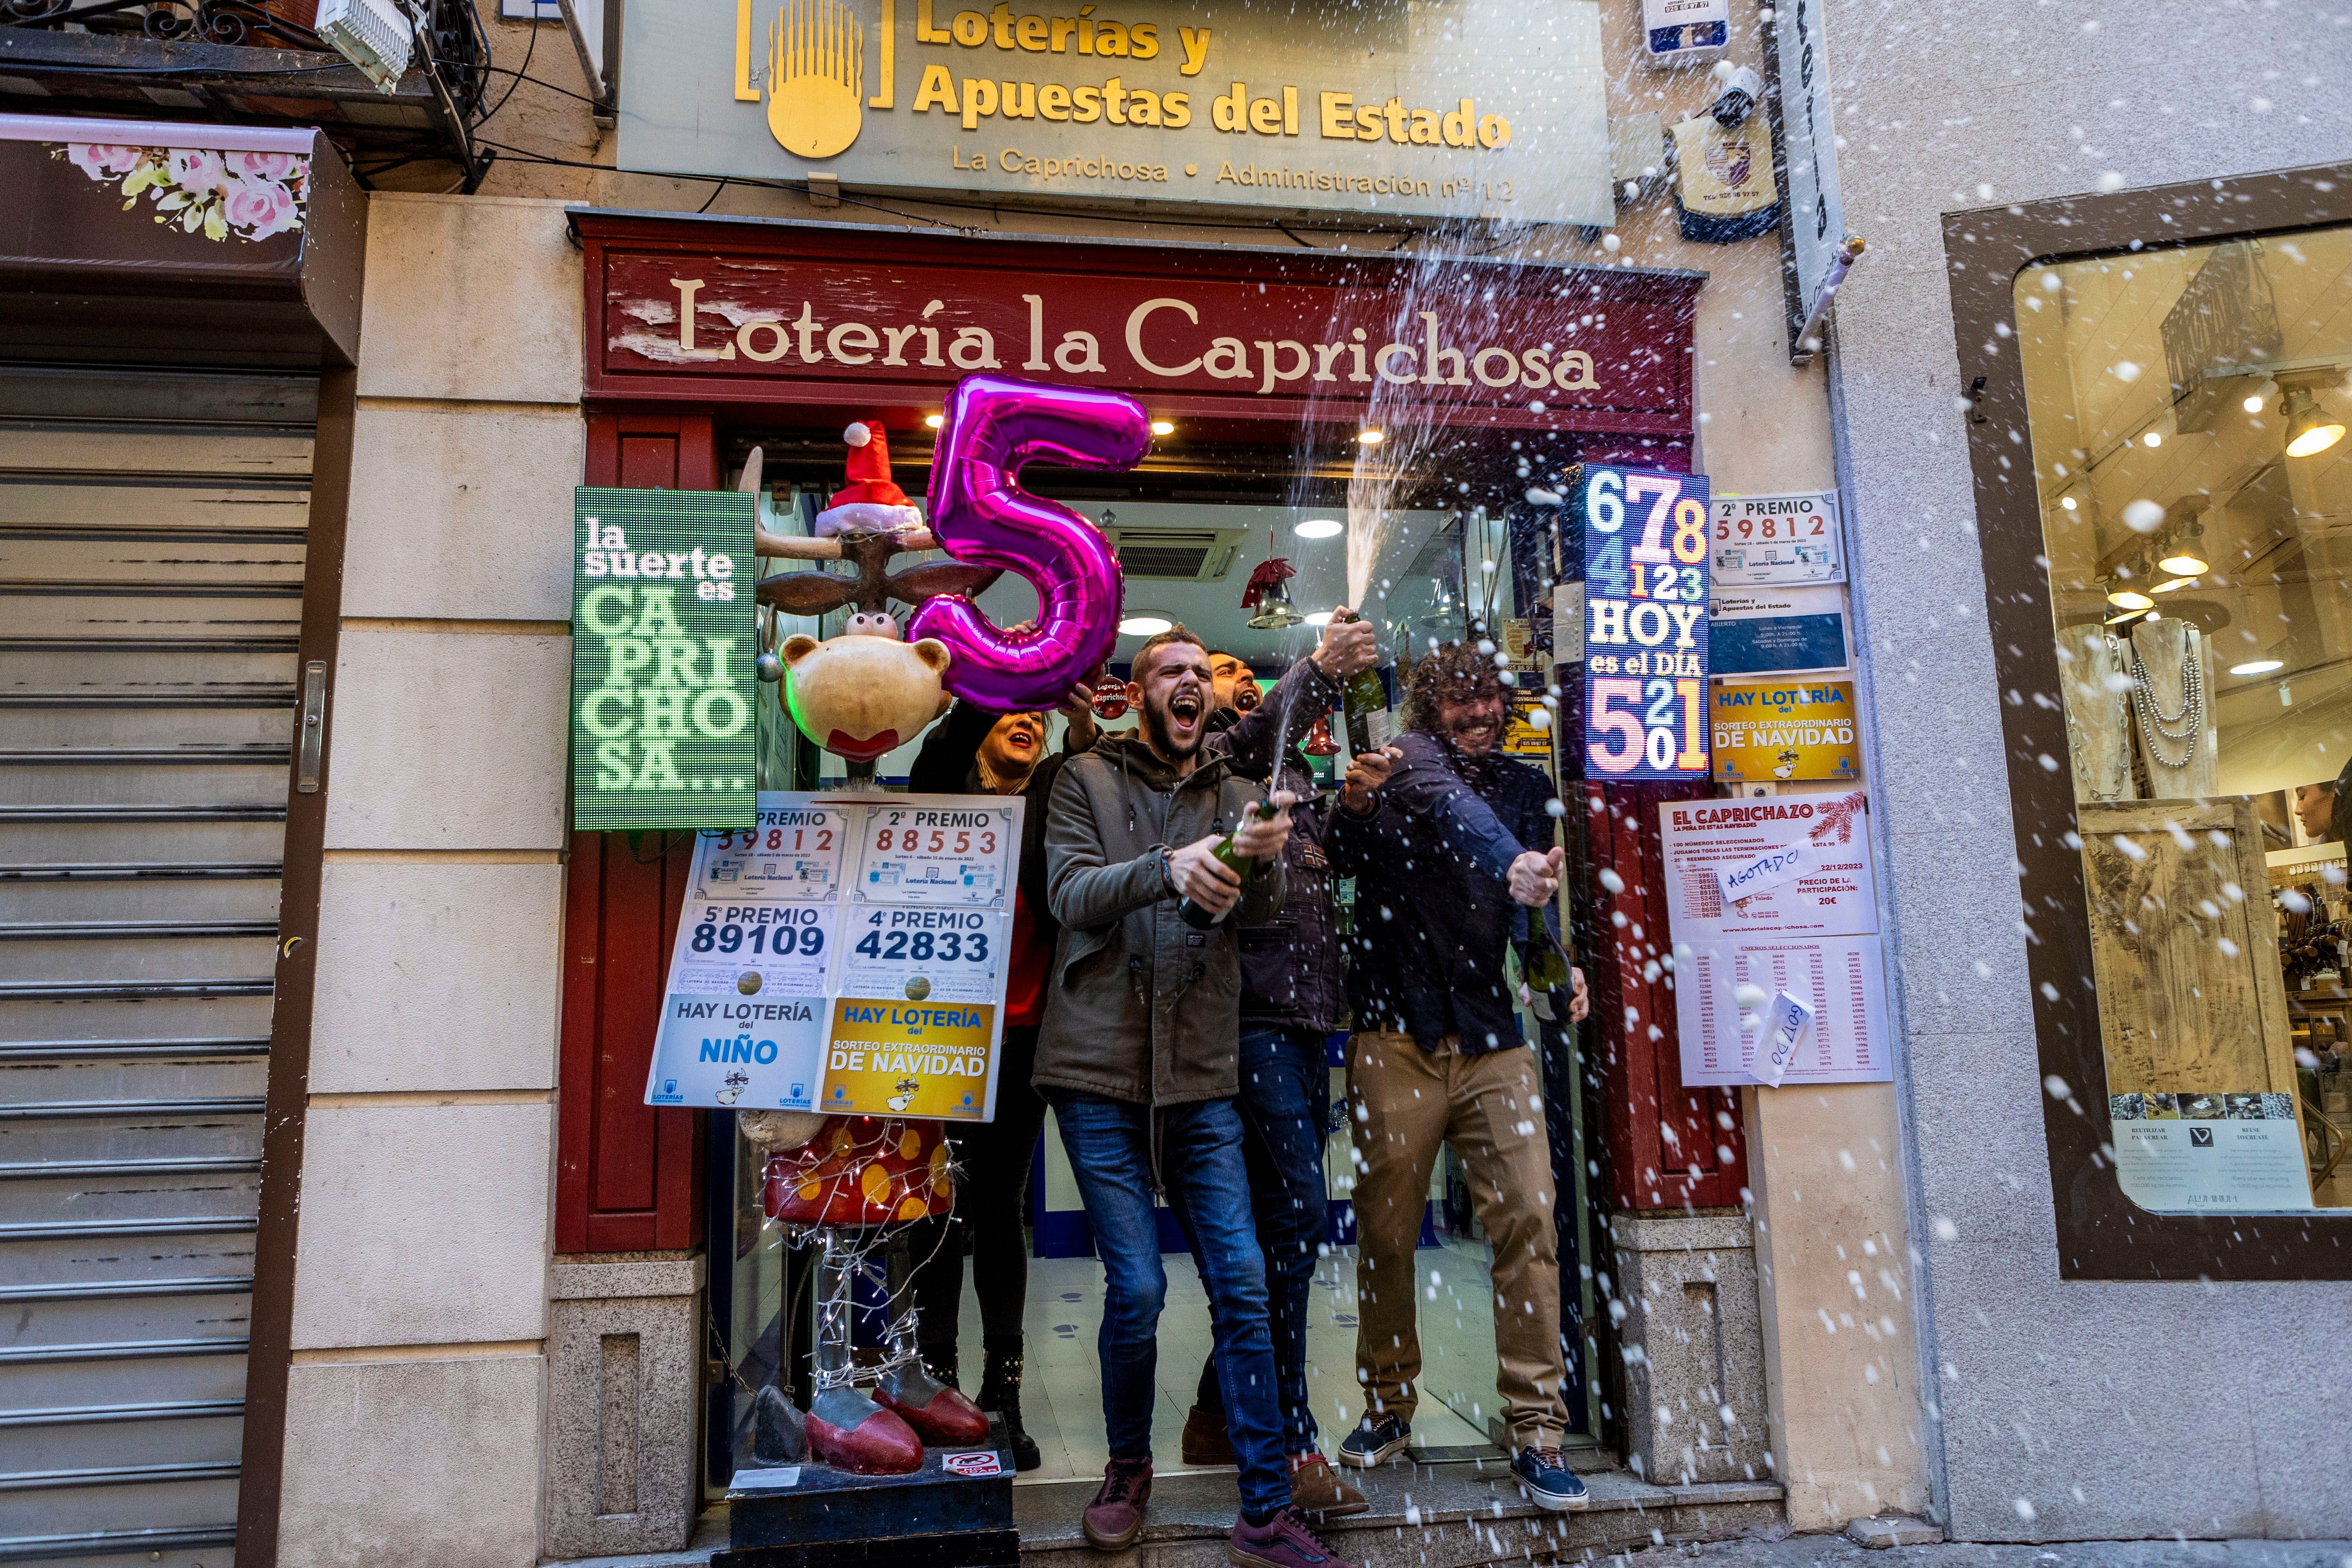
x,y
940,1361
1000,1395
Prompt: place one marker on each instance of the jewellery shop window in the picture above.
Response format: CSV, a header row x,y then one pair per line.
x,y
2186,409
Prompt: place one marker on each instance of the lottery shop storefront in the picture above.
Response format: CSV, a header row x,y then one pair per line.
x,y
1479,383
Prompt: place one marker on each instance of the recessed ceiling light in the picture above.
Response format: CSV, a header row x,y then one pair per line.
x,y
2153,440
1162,428
2258,667
1319,618
2254,405
2066,501
1370,437
1320,528
935,420
1145,624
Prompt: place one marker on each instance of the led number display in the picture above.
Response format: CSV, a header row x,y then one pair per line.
x,y
1645,570
664,688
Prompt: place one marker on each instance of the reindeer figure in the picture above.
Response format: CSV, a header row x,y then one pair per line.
x,y
866,692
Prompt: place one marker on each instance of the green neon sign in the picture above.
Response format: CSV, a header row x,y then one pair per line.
x,y
664,688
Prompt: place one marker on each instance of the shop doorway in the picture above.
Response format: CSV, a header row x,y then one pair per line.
x,y
1190,525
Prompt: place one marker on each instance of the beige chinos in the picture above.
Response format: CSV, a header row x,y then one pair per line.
x,y
1490,1109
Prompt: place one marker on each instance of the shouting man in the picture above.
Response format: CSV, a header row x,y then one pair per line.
x,y
1136,1058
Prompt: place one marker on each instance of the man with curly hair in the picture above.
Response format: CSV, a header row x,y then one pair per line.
x,y
1462,853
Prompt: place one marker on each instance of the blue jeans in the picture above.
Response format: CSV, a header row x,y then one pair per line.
x,y
1285,1081
1207,1181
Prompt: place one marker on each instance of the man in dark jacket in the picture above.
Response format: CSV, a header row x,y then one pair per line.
x,y
1293,996
975,750
1456,858
1137,1059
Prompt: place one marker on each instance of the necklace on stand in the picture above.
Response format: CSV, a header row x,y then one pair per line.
x,y
2164,731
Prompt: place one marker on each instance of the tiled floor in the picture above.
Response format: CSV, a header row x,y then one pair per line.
x,y
1062,1394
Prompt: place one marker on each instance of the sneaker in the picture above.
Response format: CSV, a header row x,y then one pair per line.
x,y
1115,1517
1283,1542
1205,1442
1547,1481
1316,1490
1375,1442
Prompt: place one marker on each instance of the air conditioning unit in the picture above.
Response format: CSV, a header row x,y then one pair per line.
x,y
377,36
1176,554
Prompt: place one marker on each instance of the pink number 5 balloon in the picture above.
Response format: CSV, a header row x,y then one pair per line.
x,y
981,514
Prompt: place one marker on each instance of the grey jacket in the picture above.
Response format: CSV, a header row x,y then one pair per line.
x,y
1139,1006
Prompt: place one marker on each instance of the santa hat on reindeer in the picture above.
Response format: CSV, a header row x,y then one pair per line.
x,y
871,502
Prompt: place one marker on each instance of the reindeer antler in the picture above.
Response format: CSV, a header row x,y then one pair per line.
x,y
814,593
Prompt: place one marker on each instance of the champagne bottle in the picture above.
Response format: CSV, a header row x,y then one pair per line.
x,y
1367,704
1243,867
1547,967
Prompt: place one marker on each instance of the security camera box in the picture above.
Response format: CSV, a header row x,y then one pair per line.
x,y
1685,32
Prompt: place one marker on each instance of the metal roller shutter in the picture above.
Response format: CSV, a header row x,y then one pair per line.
x,y
152,540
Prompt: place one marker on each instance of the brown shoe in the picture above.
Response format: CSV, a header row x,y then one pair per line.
x,y
1115,1517
1316,1490
1205,1442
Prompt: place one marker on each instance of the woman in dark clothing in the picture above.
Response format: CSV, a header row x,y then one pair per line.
x,y
974,750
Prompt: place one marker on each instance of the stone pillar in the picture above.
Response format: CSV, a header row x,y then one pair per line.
x,y
1693,1347
624,1380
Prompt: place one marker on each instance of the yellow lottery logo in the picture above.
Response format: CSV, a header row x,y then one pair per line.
x,y
816,75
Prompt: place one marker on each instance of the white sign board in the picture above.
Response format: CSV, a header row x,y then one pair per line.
x,y
848,953
1816,224
1803,921
1778,540
2222,1154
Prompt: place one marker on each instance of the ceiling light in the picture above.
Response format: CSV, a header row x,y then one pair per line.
x,y
2310,429
2129,599
2153,440
1162,428
1319,618
935,420
1374,437
2184,563
2258,667
2254,403
1145,624
1320,528
2066,501
2170,583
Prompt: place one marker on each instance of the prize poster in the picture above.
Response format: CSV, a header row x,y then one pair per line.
x,y
1778,540
1646,538
848,953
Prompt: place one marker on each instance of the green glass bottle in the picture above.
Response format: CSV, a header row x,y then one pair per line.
x,y
1547,967
1366,702
1243,867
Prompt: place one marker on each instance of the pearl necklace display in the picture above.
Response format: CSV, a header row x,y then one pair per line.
x,y
2156,727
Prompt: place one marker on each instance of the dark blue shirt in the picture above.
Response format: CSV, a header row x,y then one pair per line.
x,y
1433,909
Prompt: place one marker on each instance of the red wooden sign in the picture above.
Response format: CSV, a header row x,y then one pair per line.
x,y
796,312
